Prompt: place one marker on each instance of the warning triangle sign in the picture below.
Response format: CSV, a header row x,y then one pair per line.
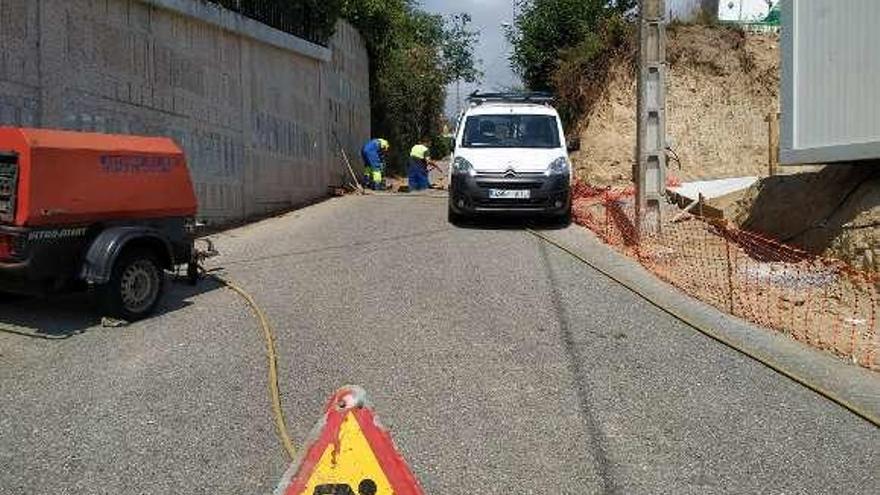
x,y
350,454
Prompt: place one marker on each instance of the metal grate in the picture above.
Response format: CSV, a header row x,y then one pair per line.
x,y
505,175
8,186
290,17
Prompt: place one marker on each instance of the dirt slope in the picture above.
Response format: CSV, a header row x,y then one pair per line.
x,y
834,211
722,85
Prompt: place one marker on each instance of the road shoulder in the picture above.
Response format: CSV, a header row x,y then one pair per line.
x,y
857,386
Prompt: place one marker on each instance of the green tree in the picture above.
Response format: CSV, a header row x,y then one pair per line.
x,y
560,44
459,41
458,51
413,56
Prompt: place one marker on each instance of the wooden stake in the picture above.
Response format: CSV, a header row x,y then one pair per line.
x,y
773,143
357,182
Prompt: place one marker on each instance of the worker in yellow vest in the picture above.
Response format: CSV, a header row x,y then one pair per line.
x,y
417,167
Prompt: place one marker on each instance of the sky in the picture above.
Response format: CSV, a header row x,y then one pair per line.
x,y
493,49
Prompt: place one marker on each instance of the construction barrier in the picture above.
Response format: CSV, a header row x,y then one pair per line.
x,y
819,301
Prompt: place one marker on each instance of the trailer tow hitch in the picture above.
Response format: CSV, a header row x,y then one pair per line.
x,y
194,268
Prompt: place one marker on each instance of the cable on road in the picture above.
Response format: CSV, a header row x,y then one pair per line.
x,y
335,247
388,194
35,335
272,359
713,334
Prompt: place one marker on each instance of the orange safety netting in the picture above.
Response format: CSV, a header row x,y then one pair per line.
x,y
820,301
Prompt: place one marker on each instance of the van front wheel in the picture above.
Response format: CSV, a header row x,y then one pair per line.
x,y
135,286
564,219
453,217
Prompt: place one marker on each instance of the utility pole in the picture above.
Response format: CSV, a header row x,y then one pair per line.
x,y
650,172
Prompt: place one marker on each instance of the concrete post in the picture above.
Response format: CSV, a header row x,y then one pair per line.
x,y
650,173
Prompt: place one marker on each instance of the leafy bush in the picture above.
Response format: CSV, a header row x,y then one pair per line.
x,y
441,147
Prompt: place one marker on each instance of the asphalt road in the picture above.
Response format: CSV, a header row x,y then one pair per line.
x,y
500,364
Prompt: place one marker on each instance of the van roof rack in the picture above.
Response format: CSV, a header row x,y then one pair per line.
x,y
518,97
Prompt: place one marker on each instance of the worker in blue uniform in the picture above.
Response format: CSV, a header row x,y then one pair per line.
x,y
373,154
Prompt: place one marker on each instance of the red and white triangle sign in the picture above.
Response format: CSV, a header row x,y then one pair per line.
x,y
349,454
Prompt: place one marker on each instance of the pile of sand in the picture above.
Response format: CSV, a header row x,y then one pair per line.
x,y
722,85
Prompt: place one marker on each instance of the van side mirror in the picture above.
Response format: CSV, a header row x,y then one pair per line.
x,y
574,144
452,143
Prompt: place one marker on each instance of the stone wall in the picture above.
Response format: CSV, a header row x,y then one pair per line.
x,y
254,108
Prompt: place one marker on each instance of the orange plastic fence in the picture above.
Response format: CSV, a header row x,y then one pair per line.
x,y
820,301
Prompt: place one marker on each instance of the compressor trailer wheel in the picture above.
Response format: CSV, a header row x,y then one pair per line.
x,y
135,286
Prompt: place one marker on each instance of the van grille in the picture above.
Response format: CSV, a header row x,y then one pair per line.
x,y
510,184
8,185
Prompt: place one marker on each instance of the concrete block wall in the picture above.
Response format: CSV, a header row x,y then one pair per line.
x,y
253,107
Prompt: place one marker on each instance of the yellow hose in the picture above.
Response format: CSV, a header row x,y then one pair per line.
x,y
272,358
35,335
868,416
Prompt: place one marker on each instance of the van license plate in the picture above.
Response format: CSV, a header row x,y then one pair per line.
x,y
509,194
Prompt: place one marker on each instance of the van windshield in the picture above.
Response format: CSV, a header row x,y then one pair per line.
x,y
511,131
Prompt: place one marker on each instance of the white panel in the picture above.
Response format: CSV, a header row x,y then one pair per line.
x,y
837,70
830,74
742,10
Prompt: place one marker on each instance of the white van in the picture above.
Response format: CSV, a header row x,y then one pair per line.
x,y
510,157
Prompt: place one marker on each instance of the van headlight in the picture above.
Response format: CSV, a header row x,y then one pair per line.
x,y
558,167
462,166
